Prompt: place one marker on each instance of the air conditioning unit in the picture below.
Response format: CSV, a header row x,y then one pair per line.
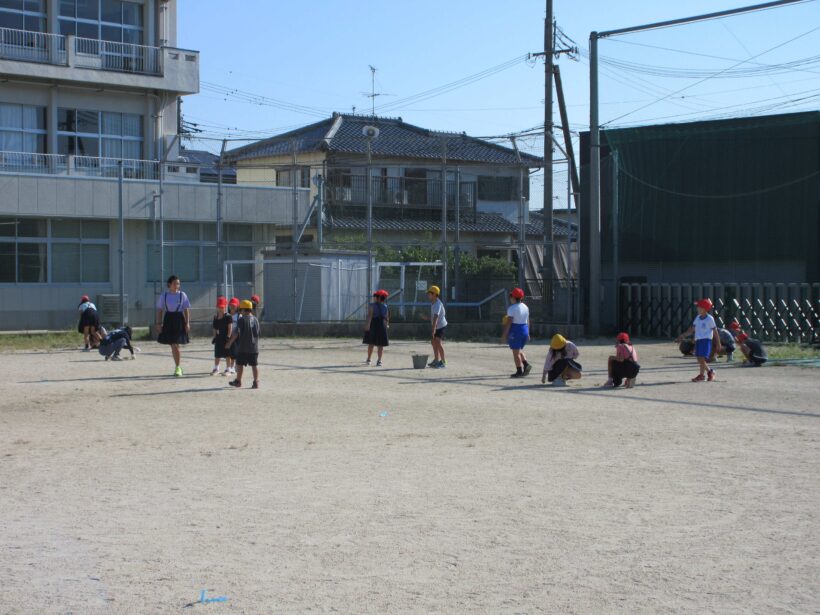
x,y
109,308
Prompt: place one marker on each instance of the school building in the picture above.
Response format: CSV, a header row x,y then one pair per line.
x,y
88,114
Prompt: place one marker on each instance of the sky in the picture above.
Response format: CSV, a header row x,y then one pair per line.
x,y
268,66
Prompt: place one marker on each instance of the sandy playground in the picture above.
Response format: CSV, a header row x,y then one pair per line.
x,y
338,488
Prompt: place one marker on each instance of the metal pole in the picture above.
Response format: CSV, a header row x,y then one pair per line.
x,y
219,206
122,243
594,281
320,186
521,232
548,264
369,187
457,248
615,238
295,231
444,287
570,165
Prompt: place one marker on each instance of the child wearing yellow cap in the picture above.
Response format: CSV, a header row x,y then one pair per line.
x,y
438,320
561,364
246,336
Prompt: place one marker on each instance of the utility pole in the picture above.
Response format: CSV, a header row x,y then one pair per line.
x,y
595,141
219,215
548,262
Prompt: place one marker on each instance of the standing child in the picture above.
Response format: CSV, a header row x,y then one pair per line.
x,y
439,321
114,342
230,359
223,327
375,328
89,324
517,332
560,364
624,364
256,300
174,320
706,334
246,337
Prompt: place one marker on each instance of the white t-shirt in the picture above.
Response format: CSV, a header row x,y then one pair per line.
x,y
519,313
704,327
85,305
437,309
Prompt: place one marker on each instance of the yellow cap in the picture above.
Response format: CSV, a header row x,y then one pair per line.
x,y
435,290
246,305
558,342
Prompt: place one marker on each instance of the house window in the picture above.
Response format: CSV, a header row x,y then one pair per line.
x,y
115,21
492,188
40,251
101,134
283,177
22,128
29,15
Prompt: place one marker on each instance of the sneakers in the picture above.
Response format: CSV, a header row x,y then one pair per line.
x,y
527,369
367,362
730,356
710,375
698,378
441,365
434,363
255,384
630,382
235,383
378,363
610,383
517,374
116,357
559,382
178,371
214,371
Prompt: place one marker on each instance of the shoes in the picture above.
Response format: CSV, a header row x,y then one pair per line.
x,y
214,371
441,365
178,371
86,349
378,363
517,375
610,383
235,383
630,382
107,357
434,363
559,382
367,362
527,369
730,356
255,384
116,358
710,375
698,378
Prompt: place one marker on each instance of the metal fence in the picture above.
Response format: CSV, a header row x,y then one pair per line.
x,y
121,57
771,311
27,46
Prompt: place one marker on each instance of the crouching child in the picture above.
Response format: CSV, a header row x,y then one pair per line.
x,y
246,336
752,350
623,365
116,341
560,364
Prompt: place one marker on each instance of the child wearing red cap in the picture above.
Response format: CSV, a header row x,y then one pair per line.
x,y
230,359
623,365
223,327
517,332
753,351
706,334
256,300
89,324
376,325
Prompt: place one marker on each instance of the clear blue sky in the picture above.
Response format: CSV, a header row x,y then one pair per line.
x,y
316,55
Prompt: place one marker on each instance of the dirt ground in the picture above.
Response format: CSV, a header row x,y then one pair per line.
x,y
340,488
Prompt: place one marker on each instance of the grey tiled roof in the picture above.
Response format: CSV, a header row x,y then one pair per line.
x,y
342,135
206,160
484,223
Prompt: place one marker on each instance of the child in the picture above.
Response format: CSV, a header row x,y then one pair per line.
x,y
753,350
89,324
706,334
375,328
223,327
246,337
560,364
517,332
114,342
624,364
727,346
174,320
439,321
230,359
256,300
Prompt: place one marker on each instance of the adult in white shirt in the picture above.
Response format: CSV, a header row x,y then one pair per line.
x,y
517,332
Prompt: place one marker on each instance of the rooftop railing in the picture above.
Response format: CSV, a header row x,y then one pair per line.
x,y
120,57
82,166
32,46
398,192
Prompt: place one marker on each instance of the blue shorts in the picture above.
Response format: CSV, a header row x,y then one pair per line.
x,y
518,336
703,348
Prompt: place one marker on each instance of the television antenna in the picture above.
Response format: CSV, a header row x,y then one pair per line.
x,y
373,93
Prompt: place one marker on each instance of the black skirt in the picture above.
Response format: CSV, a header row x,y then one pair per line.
x,y
559,366
622,370
89,318
377,334
173,329
220,352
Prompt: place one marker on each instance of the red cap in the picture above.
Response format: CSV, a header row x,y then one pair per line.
x,y
623,337
234,301
221,302
84,298
517,293
742,337
734,326
256,299
706,304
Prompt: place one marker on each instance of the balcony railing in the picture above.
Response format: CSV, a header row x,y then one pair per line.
x,y
398,192
121,57
32,46
83,166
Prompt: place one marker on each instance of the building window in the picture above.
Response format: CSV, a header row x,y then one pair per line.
x,y
492,188
114,21
190,252
22,128
239,240
283,177
40,251
29,15
101,134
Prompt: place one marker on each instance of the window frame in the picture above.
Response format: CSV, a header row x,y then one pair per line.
x,y
101,135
